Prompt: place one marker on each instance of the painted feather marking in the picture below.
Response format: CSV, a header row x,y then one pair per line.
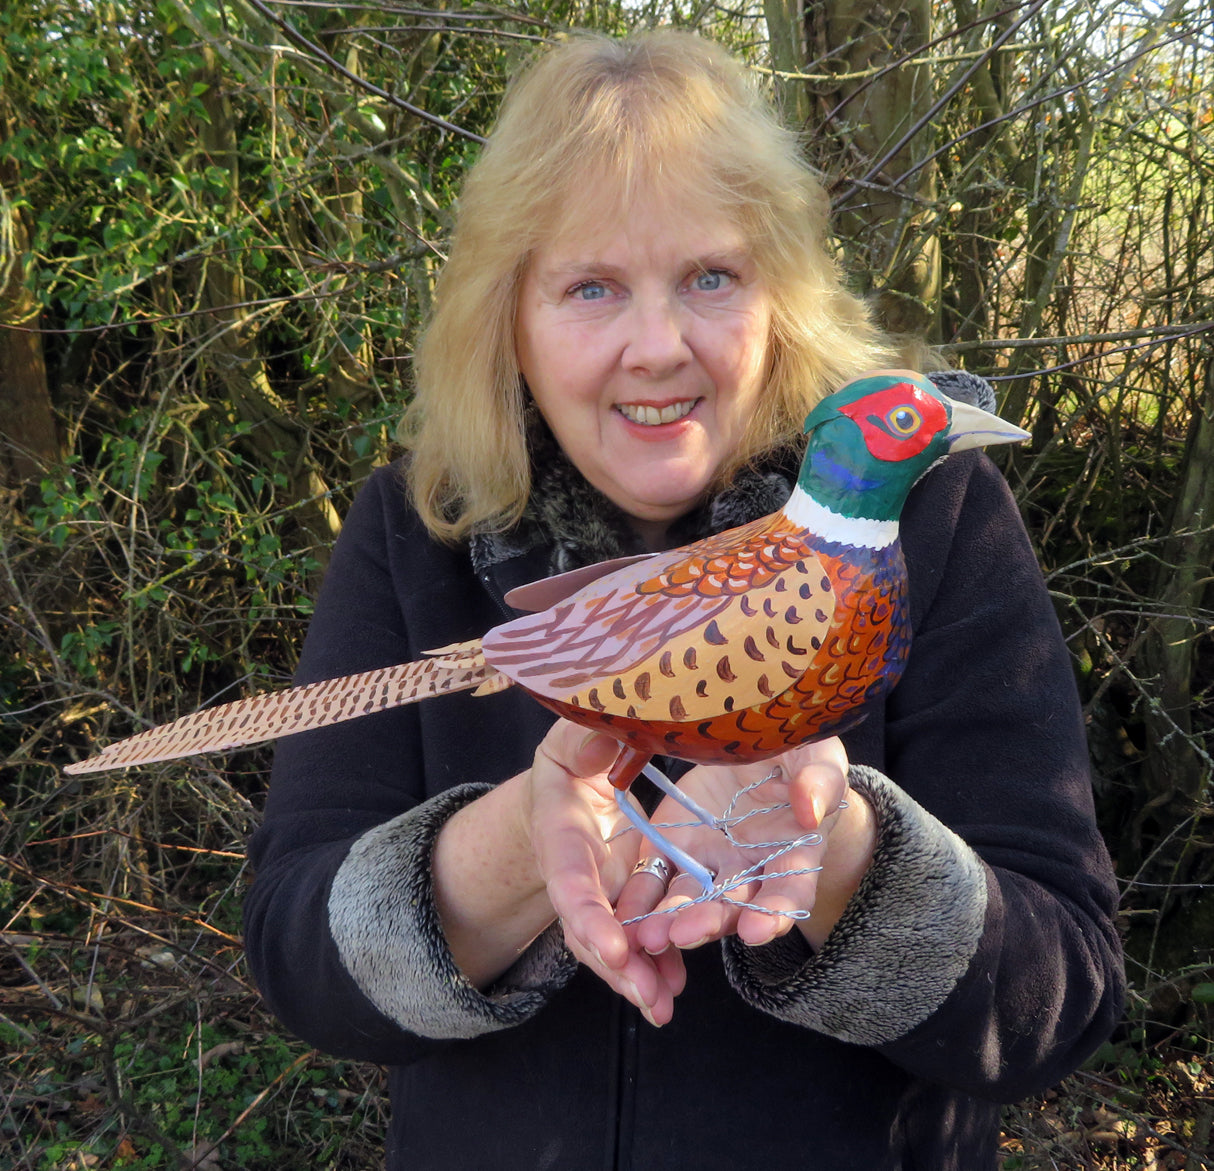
x,y
653,624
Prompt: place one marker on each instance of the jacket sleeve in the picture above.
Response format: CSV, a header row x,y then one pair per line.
x,y
980,951
340,925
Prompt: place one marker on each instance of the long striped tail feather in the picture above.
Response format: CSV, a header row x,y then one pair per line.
x,y
301,709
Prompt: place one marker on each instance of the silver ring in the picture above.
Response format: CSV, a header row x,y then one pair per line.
x,y
657,866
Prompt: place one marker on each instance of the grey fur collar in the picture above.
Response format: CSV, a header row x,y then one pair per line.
x,y
581,526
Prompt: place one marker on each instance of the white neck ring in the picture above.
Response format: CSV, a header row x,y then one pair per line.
x,y
806,513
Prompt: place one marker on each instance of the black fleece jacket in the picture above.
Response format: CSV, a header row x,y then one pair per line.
x,y
978,962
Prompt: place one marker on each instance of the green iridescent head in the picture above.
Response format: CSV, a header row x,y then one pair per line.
x,y
871,440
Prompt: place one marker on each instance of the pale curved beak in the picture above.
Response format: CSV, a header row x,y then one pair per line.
x,y
971,426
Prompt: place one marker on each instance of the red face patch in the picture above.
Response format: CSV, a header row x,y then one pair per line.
x,y
899,421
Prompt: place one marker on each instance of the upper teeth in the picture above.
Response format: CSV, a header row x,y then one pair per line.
x,y
652,416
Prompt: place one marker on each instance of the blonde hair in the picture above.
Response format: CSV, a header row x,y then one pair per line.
x,y
662,110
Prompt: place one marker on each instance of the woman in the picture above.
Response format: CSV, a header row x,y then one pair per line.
x,y
638,310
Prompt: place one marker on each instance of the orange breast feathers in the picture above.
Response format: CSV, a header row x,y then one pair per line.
x,y
713,628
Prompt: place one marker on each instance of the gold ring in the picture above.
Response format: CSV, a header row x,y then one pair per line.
x,y
657,866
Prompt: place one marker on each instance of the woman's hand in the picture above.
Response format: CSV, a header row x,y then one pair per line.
x,y
545,844
822,873
585,862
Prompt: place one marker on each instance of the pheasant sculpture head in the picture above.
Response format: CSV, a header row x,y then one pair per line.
x,y
873,440
735,648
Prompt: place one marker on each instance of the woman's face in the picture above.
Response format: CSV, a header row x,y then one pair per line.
x,y
644,344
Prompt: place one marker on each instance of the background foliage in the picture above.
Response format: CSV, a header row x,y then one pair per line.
x,y
220,221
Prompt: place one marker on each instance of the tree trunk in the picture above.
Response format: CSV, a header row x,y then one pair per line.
x,y
980,211
1178,770
1168,840
786,36
231,352
29,440
350,377
875,114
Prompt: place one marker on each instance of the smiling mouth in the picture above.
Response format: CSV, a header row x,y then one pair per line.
x,y
656,416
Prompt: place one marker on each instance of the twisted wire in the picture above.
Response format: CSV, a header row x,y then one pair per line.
x,y
756,872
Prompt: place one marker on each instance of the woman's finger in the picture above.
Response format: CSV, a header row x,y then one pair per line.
x,y
672,969
683,919
568,814
645,888
787,891
817,781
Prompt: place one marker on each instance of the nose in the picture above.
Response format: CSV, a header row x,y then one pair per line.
x,y
657,344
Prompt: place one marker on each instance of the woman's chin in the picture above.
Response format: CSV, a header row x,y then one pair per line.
x,y
662,504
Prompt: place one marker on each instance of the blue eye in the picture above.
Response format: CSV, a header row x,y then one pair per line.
x,y
590,291
711,281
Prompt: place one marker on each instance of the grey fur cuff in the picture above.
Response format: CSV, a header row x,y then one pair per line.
x,y
383,919
900,947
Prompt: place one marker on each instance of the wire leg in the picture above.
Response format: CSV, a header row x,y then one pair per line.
x,y
677,795
683,860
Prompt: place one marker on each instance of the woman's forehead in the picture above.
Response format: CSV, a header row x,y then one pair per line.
x,y
610,211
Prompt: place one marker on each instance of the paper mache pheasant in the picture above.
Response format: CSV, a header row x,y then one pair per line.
x,y
732,649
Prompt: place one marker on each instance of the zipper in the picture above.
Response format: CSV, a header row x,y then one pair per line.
x,y
486,579
627,1034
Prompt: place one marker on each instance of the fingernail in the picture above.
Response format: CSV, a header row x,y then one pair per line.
x,y
630,991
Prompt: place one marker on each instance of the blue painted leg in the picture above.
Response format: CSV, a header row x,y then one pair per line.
x,y
677,795
667,848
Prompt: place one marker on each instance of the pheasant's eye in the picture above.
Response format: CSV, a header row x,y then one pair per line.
x,y
903,421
